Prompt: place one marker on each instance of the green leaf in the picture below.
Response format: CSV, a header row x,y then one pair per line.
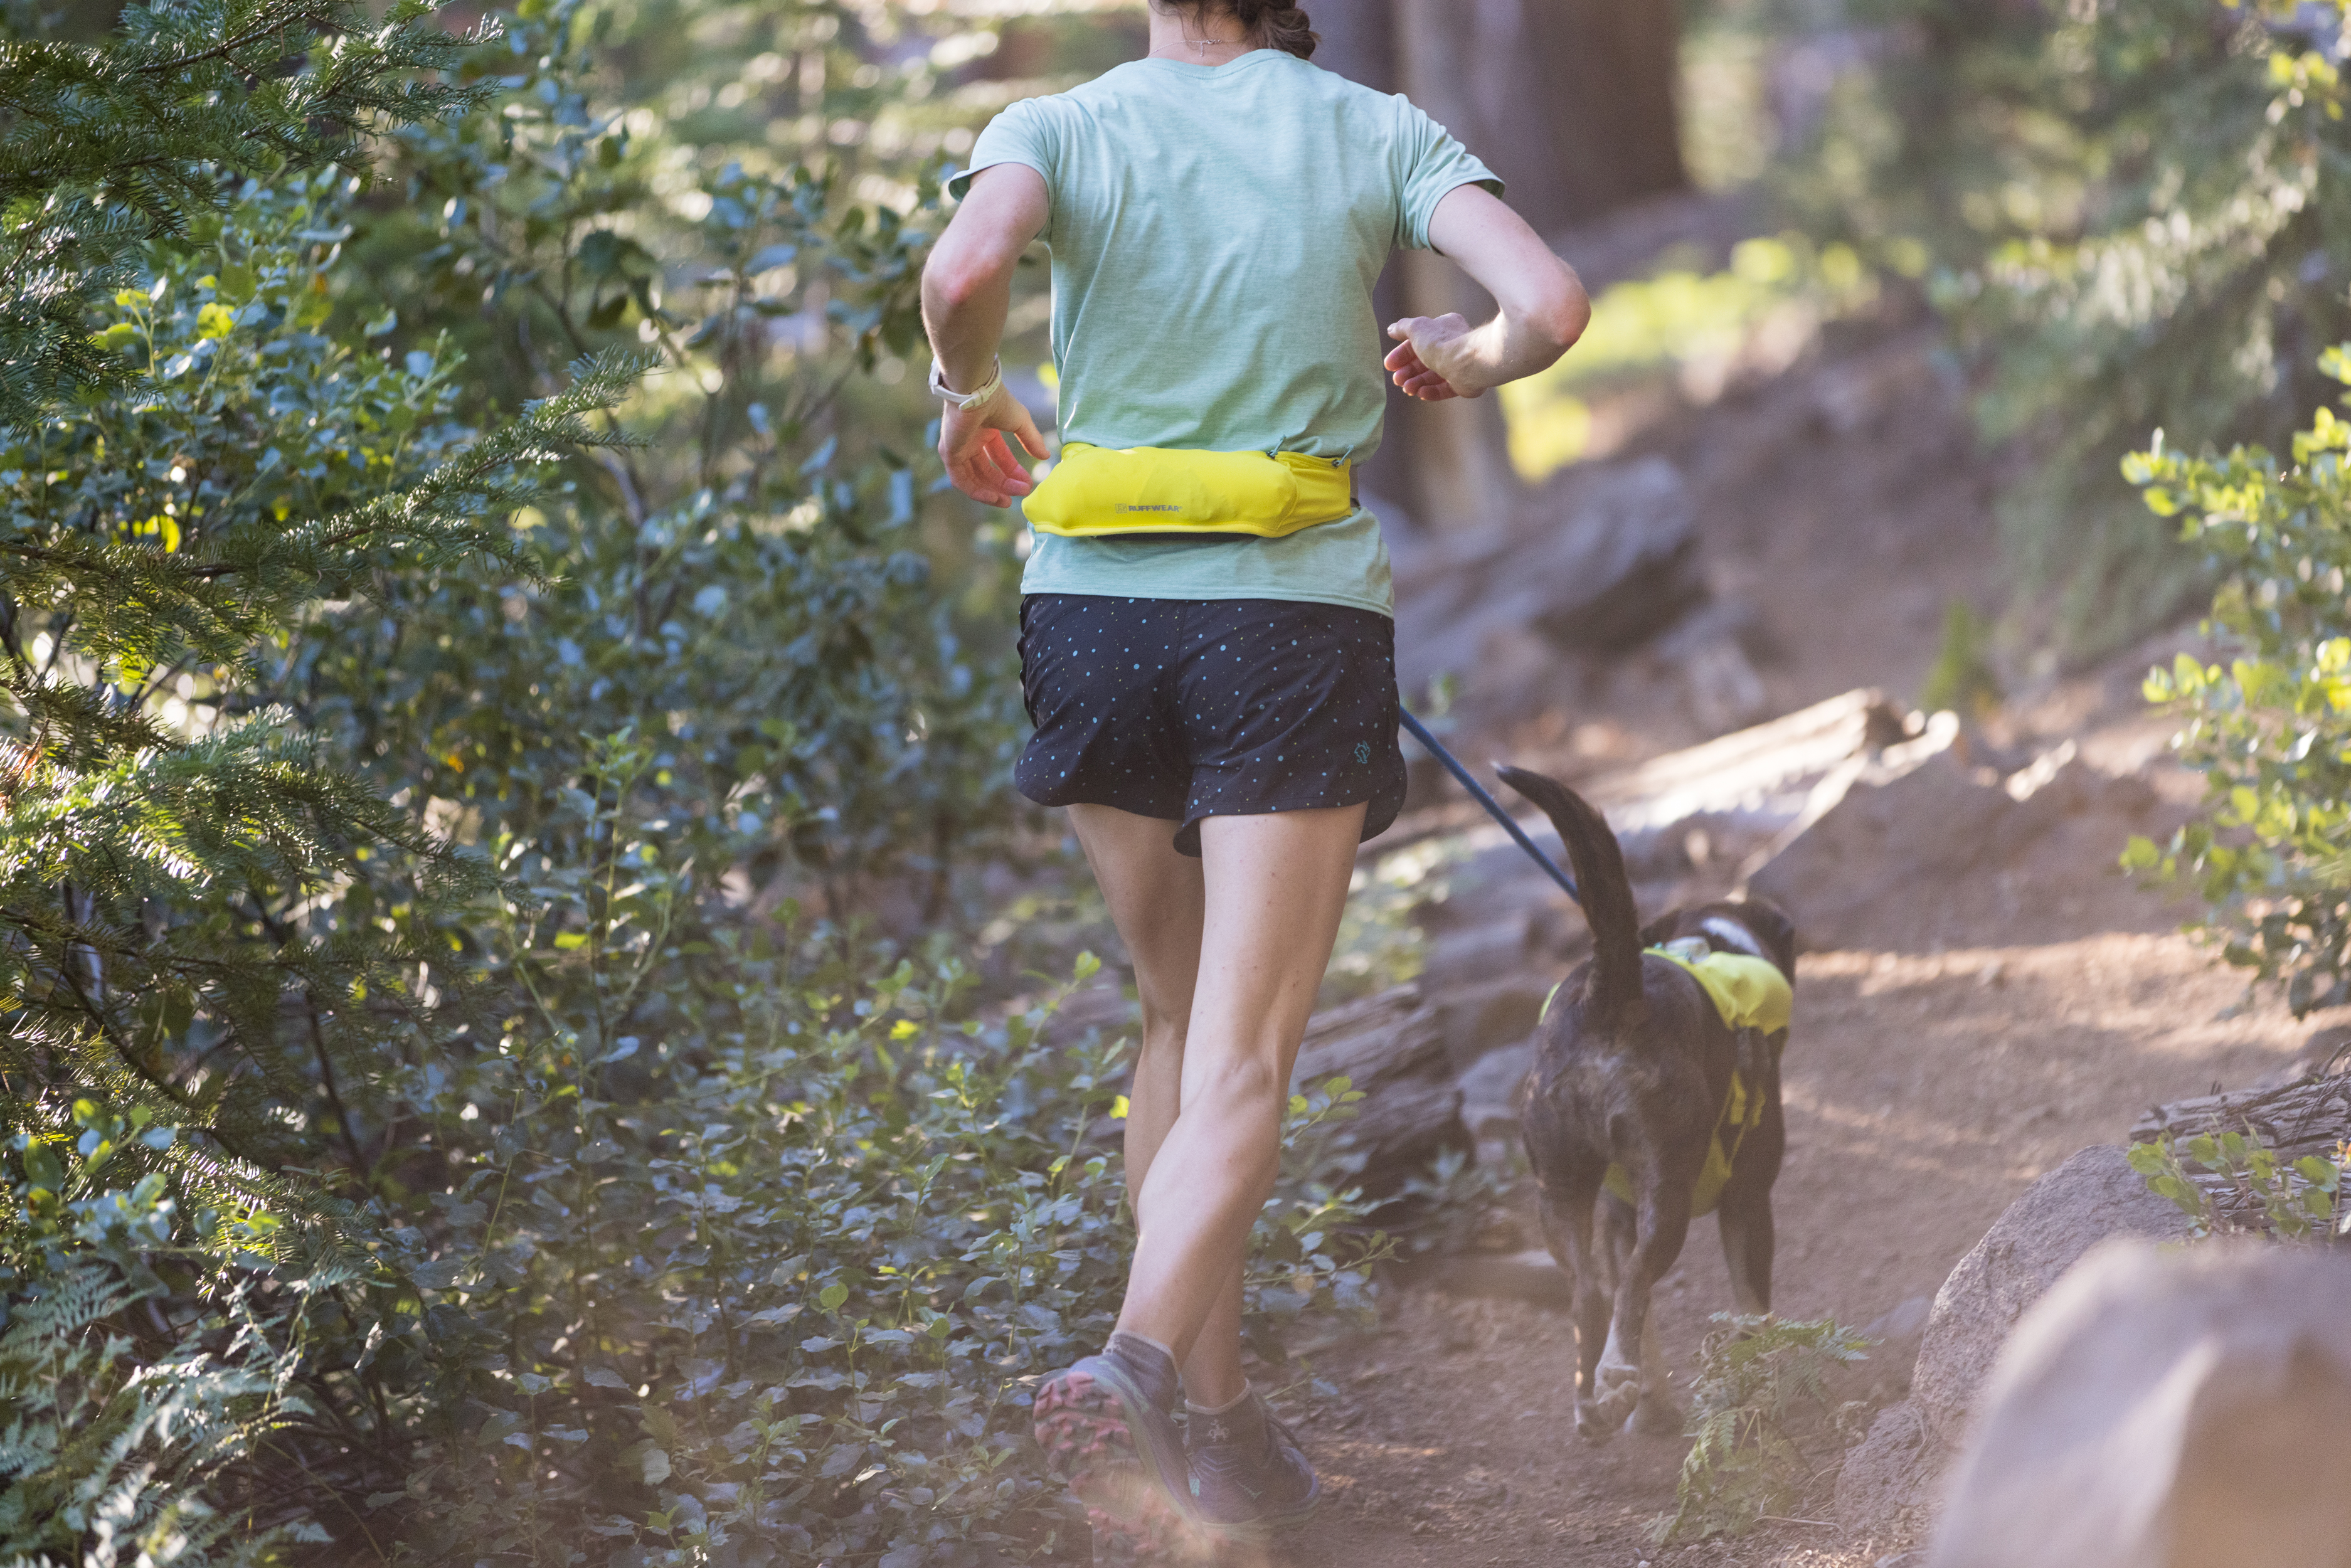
x,y
41,1166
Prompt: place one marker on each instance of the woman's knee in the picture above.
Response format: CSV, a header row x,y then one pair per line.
x,y
1236,1086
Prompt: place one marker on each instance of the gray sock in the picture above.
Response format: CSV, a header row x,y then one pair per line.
x,y
1240,1423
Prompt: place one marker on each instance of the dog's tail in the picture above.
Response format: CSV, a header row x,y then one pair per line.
x,y
1599,865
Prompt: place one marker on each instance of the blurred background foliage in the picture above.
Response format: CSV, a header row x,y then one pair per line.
x,y
506,740
2130,217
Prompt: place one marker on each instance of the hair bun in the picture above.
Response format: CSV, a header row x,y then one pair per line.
x,y
1283,28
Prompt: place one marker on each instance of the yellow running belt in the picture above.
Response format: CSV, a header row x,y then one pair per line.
x,y
1158,489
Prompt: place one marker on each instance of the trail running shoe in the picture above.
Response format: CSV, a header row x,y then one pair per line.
x,y
1119,1451
1250,1477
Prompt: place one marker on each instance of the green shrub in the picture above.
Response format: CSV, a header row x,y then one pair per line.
x,y
1961,678
511,1000
1754,1373
2271,728
792,1303
2285,1201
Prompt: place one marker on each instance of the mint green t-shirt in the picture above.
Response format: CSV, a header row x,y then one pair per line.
x,y
1215,233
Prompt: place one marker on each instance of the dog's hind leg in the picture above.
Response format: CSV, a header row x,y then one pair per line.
x,y
1568,1227
1660,1226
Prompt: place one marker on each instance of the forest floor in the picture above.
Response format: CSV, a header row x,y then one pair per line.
x,y
1989,1029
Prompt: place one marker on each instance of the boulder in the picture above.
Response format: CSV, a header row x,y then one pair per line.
x,y
1489,1091
2165,1409
1479,1019
1929,826
1889,1478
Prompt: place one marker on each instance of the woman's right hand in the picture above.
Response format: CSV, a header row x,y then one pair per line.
x,y
979,460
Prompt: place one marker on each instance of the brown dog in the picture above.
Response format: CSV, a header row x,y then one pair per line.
x,y
1637,1076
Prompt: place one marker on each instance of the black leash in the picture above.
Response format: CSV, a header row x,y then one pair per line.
x,y
1419,732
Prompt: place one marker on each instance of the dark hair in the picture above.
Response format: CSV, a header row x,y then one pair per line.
x,y
1276,25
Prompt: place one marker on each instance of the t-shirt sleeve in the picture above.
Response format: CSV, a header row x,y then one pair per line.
x,y
1431,164
1021,133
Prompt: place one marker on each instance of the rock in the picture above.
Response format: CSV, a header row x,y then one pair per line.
x,y
1715,649
1489,1091
1886,1484
1854,395
1477,1019
1391,1047
1613,563
1889,1478
1768,771
1930,826
2165,1409
1493,949
2092,1197
1529,1276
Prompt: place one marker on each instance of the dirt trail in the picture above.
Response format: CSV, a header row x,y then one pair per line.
x,y
1986,1031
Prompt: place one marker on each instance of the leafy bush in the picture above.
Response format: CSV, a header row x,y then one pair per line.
x,y
1961,678
1753,1372
2271,729
515,1046
111,1444
793,1303
2294,1201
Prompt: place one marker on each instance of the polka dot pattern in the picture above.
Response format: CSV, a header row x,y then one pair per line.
x,y
1186,708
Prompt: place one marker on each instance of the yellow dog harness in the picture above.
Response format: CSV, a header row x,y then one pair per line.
x,y
1749,993
1158,489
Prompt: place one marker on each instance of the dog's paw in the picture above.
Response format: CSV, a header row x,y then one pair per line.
x,y
1615,1390
1656,1417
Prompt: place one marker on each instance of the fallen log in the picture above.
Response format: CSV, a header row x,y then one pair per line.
x,y
1390,1046
2309,1116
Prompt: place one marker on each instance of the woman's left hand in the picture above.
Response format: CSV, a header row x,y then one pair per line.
x,y
1434,358
979,459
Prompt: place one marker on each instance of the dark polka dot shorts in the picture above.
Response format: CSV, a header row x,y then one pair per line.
x,y
1186,708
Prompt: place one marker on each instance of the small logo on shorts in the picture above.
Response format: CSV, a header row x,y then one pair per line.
x,y
1362,751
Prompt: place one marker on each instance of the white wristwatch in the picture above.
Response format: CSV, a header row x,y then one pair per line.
x,y
967,401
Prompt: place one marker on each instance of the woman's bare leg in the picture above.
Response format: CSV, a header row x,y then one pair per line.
x,y
1274,887
1156,897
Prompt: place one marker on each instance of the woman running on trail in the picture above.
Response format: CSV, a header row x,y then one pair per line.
x,y
1207,644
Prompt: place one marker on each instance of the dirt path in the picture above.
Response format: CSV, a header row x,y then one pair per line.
x,y
1925,1089
1984,1033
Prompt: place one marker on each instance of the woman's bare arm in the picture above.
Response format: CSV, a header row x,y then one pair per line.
x,y
967,290
1543,305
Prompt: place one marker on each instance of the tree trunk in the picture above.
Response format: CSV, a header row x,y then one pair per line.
x,y
1612,69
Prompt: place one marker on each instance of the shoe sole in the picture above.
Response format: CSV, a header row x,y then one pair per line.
x,y
1258,1531
1081,1422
